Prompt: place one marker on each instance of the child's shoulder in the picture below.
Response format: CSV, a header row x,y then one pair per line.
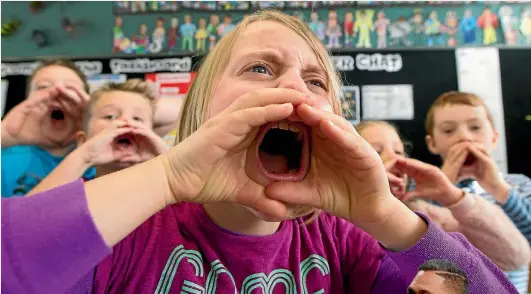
x,y
19,150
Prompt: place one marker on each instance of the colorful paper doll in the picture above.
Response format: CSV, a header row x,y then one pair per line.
x,y
399,32
451,27
348,28
159,33
226,26
488,22
141,40
509,24
433,30
525,26
117,33
333,31
174,33
212,30
187,31
381,25
201,35
418,22
468,27
363,27
317,26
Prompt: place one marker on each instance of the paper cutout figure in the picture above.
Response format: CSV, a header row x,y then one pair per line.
x,y
468,27
348,28
226,26
433,30
118,34
381,25
333,31
363,27
212,30
317,26
418,22
509,24
141,40
488,22
201,35
158,36
187,31
399,32
525,26
452,26
174,33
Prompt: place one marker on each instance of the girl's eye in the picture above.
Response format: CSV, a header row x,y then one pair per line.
x,y
138,119
259,69
317,84
109,117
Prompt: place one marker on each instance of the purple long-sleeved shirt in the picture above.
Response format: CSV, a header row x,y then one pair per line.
x,y
50,243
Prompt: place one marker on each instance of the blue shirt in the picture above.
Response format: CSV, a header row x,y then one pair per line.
x,y
23,167
468,24
188,30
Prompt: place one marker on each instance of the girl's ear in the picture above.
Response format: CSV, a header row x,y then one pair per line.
x,y
431,145
81,137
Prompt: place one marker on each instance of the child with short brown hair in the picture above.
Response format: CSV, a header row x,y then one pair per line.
x,y
460,129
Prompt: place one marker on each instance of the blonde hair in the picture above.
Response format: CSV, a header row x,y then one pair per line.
x,y
136,86
63,63
196,104
408,146
454,98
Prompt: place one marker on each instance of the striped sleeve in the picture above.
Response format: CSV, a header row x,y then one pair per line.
x,y
518,204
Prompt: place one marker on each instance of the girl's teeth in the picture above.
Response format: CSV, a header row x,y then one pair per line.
x,y
283,125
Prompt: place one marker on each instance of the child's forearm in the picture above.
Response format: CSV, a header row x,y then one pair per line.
x,y
166,115
483,275
488,228
69,170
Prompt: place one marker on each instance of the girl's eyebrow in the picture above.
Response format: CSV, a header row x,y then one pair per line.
x,y
278,57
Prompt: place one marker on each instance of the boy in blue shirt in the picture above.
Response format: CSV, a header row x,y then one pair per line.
x,y
40,131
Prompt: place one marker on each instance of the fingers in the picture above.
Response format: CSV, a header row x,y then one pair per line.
x,y
242,121
269,96
479,154
412,166
71,94
154,141
313,116
394,179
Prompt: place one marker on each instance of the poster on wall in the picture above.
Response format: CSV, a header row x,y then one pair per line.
x,y
387,102
478,72
171,85
5,85
96,82
350,103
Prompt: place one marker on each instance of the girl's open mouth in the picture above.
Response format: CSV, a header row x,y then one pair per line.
x,y
283,150
57,118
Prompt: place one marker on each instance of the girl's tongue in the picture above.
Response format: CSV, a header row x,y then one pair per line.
x,y
276,164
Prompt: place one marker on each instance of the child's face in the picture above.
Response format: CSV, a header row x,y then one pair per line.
x,y
454,124
227,20
118,105
283,60
60,126
315,16
385,140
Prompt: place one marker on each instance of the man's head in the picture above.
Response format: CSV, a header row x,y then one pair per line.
x,y
457,117
438,276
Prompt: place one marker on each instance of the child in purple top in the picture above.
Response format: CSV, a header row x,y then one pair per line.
x,y
238,195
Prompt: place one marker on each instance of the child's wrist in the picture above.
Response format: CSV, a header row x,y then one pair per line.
x,y
500,191
84,156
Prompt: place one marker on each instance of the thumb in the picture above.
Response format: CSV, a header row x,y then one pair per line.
x,y
298,193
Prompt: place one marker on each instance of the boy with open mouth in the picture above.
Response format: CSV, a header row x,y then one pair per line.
x,y
117,133
461,131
